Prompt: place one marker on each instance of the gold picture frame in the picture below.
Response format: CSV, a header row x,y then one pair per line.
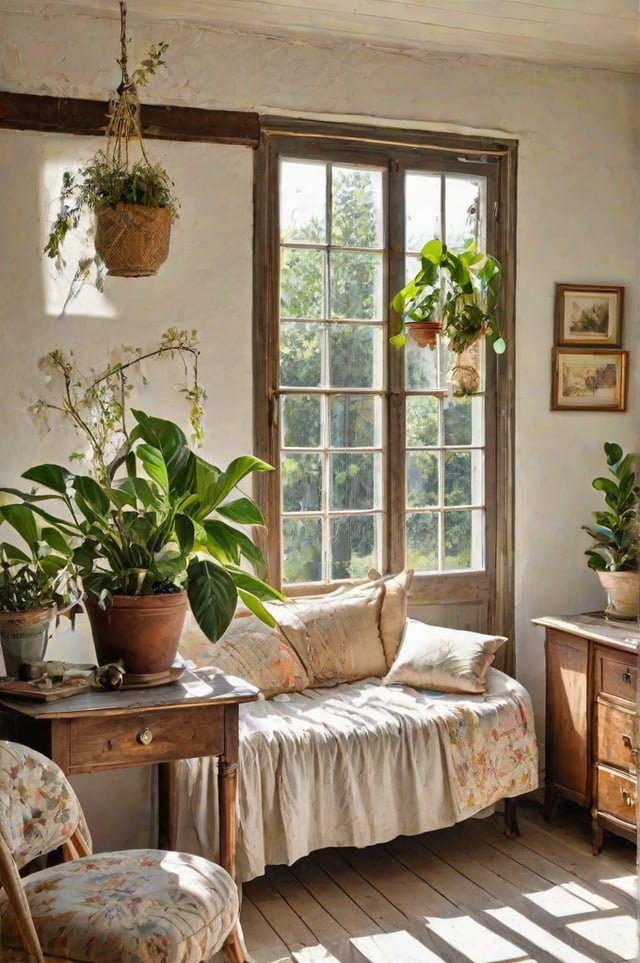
x,y
589,315
585,380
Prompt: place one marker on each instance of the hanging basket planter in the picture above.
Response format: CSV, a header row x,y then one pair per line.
x,y
424,333
133,240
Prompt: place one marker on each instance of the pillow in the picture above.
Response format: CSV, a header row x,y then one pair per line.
x,y
447,660
251,650
336,637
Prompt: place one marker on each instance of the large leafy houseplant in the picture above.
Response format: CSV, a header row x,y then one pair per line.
x,y
459,292
616,534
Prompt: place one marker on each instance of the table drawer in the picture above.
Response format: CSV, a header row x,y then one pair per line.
x,y
614,736
616,676
616,794
99,742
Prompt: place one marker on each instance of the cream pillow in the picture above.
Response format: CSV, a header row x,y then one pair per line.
x,y
447,660
336,637
393,613
252,651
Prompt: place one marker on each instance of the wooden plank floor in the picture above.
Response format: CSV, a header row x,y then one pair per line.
x,y
462,895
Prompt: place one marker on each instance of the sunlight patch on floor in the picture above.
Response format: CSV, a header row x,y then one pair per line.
x,y
476,941
393,947
314,954
615,934
627,884
540,938
569,899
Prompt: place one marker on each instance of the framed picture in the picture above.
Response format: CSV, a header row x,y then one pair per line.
x,y
584,380
589,315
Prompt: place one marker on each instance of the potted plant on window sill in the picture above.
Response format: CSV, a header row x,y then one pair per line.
x,y
38,584
131,198
456,294
616,534
163,528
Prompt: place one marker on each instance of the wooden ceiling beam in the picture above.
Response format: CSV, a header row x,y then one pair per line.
x,y
67,115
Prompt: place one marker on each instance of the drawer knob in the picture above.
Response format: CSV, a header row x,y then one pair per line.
x,y
145,737
626,676
629,798
627,741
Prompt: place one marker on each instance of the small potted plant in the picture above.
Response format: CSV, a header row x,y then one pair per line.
x,y
457,294
38,583
131,198
614,554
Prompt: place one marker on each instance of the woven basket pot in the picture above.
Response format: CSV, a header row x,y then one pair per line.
x,y
142,630
133,240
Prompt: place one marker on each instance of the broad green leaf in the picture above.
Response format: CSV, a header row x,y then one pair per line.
x,y
51,476
212,595
244,511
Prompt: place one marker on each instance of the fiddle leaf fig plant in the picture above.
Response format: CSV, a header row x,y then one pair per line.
x,y
616,529
462,290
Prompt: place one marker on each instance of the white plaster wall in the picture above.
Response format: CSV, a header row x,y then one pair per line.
x,y
577,218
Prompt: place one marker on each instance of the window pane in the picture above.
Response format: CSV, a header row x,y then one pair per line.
x,y
355,421
356,217
301,284
301,483
462,212
302,201
422,422
457,478
421,367
356,285
422,542
353,481
353,546
422,479
458,422
355,356
457,540
302,549
301,422
422,219
300,355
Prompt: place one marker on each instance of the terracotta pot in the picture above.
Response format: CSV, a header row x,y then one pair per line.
x,y
142,630
133,240
623,594
424,333
24,636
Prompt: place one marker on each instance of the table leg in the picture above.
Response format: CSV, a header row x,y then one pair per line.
x,y
227,788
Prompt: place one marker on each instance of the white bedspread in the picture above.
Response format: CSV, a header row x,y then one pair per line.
x,y
360,764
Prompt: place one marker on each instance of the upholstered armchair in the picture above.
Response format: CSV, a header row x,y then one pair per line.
x,y
133,906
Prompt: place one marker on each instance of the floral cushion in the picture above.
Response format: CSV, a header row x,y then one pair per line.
x,y
138,906
443,659
39,810
251,650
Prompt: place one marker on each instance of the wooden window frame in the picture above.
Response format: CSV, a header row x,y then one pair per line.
x,y
494,590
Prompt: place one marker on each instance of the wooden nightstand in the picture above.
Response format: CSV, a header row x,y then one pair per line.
x,y
101,730
592,731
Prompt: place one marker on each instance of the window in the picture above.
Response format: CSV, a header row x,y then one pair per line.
x,y
379,464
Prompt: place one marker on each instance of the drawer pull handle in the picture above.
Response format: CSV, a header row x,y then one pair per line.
x,y
145,737
629,798
626,676
627,741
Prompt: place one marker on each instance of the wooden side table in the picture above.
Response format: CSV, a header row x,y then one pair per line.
x,y
100,730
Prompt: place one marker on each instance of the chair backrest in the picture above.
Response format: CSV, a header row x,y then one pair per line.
x,y
39,810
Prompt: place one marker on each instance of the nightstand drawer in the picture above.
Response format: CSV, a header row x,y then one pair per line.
x,y
97,742
616,676
614,736
616,794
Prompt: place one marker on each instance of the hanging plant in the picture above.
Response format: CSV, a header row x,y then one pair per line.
x,y
132,199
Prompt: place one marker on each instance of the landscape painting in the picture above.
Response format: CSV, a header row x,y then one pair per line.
x,y
589,380
589,315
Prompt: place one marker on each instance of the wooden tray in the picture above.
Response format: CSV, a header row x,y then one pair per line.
x,y
59,690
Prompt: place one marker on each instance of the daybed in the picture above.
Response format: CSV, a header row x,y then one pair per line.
x,y
373,726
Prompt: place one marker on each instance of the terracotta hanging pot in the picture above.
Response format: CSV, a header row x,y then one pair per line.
x,y
424,333
142,630
133,240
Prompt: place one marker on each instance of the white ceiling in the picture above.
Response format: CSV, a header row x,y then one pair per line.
x,y
588,33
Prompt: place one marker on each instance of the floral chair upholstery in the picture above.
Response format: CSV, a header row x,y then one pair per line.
x,y
135,906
